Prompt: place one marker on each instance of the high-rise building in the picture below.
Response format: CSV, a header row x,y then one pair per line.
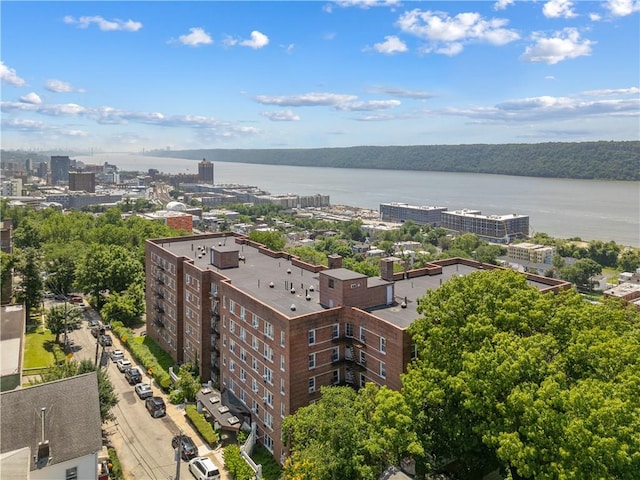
x,y
60,169
82,182
205,172
43,170
271,329
495,228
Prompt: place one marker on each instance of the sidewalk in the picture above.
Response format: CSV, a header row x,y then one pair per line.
x,y
177,415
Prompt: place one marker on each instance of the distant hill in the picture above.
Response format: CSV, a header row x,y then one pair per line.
x,y
584,160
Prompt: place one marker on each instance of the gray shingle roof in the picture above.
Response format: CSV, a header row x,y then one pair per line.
x,y
72,422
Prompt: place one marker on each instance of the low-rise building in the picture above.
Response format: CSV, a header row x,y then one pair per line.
x,y
52,430
531,252
493,228
403,212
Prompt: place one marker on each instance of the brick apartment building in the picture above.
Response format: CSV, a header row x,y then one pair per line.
x,y
271,329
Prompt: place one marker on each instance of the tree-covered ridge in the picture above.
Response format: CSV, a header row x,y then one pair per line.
x,y
583,160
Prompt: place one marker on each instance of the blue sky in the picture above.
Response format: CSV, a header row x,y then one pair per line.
x,y
128,76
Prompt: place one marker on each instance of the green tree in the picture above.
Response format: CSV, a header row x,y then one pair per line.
x,y
111,269
126,307
59,319
580,273
604,253
29,268
188,383
467,242
272,240
629,260
236,465
538,384
486,253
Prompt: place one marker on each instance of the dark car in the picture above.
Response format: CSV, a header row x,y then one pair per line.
x,y
105,340
188,449
155,406
133,375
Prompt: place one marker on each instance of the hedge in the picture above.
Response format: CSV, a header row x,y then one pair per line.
x,y
148,354
202,425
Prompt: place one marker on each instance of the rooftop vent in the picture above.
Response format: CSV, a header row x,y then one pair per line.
x,y
311,288
293,307
271,285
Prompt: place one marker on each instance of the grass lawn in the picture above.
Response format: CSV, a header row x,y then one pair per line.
x,y
271,469
40,349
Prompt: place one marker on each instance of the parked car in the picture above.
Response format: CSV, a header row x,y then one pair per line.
x,y
105,340
143,390
204,469
116,355
124,364
95,331
155,406
76,299
188,449
93,323
133,375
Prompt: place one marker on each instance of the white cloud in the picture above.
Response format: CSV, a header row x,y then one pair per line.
x,y
10,77
625,103
365,4
564,45
305,100
197,36
288,48
447,35
369,106
402,93
103,24
391,45
32,98
558,9
502,4
258,40
58,86
36,127
622,8
595,17
281,116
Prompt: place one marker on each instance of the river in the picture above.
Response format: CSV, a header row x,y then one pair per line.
x,y
564,208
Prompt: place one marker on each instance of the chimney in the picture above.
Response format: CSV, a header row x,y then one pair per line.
x,y
335,261
386,269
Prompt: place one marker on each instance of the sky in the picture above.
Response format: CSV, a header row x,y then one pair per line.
x,y
123,76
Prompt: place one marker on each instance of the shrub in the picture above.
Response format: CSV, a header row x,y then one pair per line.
x,y
271,469
201,424
176,396
115,472
238,468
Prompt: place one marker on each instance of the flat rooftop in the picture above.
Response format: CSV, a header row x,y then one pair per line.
x,y
257,272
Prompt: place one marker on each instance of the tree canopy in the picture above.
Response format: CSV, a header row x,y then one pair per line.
x,y
540,385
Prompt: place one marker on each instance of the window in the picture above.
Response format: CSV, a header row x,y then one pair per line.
x,y
282,386
254,363
332,283
268,443
267,375
232,366
232,306
242,313
71,473
348,330
363,380
268,420
243,355
362,335
232,326
268,330
383,370
312,361
255,343
312,337
255,321
383,345
254,385
232,346
268,353
269,397
335,377
282,339
243,375
256,408
335,354
414,351
282,409
362,358
335,330
243,334
312,384
282,362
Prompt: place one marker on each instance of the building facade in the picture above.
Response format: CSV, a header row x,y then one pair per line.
x,y
82,182
60,169
494,228
271,330
402,212
531,252
205,172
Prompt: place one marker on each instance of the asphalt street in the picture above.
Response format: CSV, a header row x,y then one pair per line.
x,y
143,443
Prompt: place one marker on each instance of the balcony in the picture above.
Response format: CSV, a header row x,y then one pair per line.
x,y
159,322
159,294
160,280
159,308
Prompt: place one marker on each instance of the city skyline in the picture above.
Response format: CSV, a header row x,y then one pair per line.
x,y
133,76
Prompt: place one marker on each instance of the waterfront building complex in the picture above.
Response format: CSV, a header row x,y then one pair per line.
x,y
270,329
402,212
531,252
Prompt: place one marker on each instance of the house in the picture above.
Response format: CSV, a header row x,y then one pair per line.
x,y
52,430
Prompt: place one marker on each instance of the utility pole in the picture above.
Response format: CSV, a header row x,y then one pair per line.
x,y
179,450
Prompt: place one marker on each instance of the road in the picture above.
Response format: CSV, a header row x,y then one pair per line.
x,y
143,443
